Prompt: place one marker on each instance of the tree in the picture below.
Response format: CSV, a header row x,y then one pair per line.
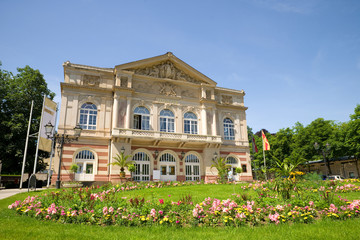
x,y
221,167
352,136
122,161
16,93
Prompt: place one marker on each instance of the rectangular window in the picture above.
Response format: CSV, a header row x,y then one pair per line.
x,y
137,122
244,168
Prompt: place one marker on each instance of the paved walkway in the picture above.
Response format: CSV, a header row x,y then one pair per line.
x,y
5,193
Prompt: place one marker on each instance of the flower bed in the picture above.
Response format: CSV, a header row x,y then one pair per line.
x,y
257,204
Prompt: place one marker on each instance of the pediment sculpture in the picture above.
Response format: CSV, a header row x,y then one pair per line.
x,y
165,70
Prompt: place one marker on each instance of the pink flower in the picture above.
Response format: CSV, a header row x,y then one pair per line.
x,y
161,212
153,212
311,203
161,201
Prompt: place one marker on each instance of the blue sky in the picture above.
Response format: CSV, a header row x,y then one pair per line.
x,y
296,60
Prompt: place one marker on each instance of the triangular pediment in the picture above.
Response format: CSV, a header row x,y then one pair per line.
x,y
166,66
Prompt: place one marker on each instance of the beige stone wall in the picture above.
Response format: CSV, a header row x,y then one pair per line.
x,y
163,82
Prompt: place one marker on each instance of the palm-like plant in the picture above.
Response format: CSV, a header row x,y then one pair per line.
x,y
221,166
122,161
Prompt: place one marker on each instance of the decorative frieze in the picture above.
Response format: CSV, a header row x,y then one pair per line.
x,y
226,99
91,80
165,70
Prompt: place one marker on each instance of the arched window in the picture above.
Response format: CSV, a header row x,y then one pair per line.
x,y
88,113
141,118
167,121
231,160
167,157
141,156
191,158
190,123
229,129
85,155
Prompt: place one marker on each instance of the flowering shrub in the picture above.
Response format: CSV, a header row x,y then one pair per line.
x,y
258,204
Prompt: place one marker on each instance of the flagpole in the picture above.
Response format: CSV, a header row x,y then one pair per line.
x,y
52,149
38,140
263,142
264,162
26,145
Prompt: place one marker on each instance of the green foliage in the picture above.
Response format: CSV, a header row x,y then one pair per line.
x,y
122,161
74,168
16,93
238,170
221,167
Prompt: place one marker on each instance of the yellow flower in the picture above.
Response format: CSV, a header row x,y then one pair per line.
x,y
161,222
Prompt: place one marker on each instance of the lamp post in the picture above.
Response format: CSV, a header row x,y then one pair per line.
x,y
324,151
215,156
182,155
61,139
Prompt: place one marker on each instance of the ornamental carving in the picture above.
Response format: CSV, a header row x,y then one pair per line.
x,y
167,89
91,80
226,99
165,70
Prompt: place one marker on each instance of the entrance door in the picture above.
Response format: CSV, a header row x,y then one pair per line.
x,y
85,172
167,167
85,160
192,168
142,172
192,172
168,172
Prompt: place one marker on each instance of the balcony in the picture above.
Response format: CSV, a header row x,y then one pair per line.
x,y
154,138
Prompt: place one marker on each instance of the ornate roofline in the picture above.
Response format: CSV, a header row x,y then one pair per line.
x,y
74,65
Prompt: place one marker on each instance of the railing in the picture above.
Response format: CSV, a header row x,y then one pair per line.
x,y
119,132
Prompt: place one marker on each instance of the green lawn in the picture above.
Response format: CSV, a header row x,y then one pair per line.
x,y
13,226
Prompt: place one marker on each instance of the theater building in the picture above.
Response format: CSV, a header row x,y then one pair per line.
x,y
170,117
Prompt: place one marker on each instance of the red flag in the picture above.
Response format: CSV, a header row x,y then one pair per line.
x,y
266,145
254,147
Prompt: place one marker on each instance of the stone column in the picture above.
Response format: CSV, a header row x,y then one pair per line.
x,y
115,112
214,123
203,121
128,113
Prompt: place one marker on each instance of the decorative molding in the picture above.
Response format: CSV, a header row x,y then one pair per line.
x,y
167,89
226,99
91,80
165,70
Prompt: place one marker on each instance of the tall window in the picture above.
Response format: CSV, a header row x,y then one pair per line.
x,y
141,118
229,129
167,120
190,123
88,113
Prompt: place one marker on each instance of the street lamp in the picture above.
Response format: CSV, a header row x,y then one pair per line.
x,y
182,155
325,151
215,156
60,139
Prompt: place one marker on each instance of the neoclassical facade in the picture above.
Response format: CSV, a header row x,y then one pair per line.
x,y
170,117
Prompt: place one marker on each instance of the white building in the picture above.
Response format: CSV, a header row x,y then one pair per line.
x,y
166,114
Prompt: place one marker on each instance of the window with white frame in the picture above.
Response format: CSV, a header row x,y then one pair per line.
x,y
141,118
229,133
88,114
167,121
233,162
190,123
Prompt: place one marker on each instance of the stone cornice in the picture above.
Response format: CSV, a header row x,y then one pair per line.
x,y
126,89
74,86
228,90
68,64
223,106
